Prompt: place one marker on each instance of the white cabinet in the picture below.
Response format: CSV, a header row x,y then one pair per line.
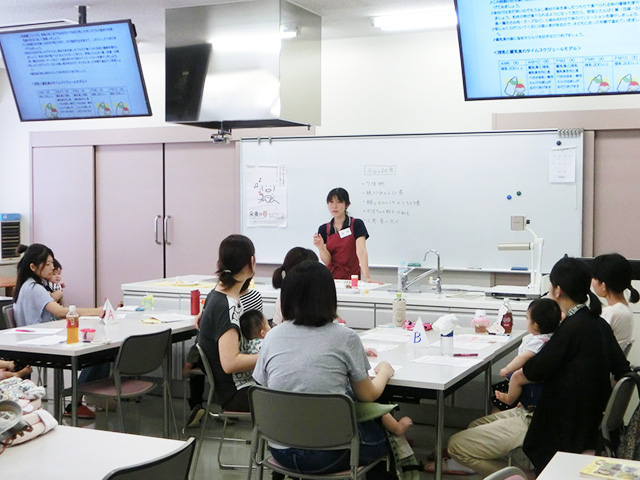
x,y
359,316
63,217
119,213
161,210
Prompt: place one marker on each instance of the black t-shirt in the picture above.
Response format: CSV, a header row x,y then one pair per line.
x,y
219,315
359,229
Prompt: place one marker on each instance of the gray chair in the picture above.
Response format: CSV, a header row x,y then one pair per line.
x,y
8,320
612,425
138,355
173,466
507,473
225,416
293,420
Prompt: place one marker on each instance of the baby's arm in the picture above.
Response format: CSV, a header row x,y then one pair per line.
x,y
517,363
397,427
516,383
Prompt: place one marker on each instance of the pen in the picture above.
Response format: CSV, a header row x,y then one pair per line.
x,y
465,354
24,330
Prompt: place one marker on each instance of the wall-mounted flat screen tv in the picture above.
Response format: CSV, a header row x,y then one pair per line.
x,y
546,48
75,72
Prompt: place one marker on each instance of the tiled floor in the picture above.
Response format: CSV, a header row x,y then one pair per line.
x,y
145,418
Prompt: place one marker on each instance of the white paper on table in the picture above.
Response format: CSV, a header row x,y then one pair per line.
x,y
33,331
449,361
380,347
171,317
127,308
390,335
372,370
468,337
464,345
45,341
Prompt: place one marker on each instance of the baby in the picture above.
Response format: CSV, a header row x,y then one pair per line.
x,y
53,283
543,317
254,326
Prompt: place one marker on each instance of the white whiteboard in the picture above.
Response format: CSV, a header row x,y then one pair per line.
x,y
448,192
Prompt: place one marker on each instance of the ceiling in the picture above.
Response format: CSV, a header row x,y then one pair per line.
x,y
341,18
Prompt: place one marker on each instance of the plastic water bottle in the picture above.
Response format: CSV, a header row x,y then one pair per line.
x,y
73,322
401,271
507,318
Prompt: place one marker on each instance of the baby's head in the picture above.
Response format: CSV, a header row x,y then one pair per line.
x,y
253,324
544,315
56,274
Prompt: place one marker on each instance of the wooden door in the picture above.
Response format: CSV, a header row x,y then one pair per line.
x,y
62,215
129,199
202,203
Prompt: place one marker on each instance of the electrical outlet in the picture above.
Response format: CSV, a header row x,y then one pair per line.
x,y
517,222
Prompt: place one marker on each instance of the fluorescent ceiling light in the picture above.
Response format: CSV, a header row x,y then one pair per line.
x,y
417,21
42,24
288,31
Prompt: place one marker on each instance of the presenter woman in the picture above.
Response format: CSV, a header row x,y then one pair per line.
x,y
341,243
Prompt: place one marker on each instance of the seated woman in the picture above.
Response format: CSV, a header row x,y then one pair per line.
x,y
33,304
575,366
311,353
220,334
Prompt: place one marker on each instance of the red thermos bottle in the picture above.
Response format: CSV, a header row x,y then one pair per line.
x,y
195,302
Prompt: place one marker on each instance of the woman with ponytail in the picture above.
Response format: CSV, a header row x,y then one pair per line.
x,y
575,366
612,274
220,333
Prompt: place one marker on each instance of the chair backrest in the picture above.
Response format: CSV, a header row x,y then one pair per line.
x,y
207,366
507,473
612,424
140,354
7,321
173,466
627,348
303,420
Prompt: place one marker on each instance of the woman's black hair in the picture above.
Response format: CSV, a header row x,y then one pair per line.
x,y
309,295
35,253
234,254
341,194
573,276
616,273
291,259
251,323
546,313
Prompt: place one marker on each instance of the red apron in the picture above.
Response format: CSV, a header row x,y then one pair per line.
x,y
344,260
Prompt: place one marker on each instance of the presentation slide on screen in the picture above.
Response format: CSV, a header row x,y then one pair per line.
x,y
513,48
84,71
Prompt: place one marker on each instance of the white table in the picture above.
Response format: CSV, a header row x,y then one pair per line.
x,y
75,356
433,381
567,466
80,454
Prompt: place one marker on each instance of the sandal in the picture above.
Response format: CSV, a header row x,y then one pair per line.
x,y
449,467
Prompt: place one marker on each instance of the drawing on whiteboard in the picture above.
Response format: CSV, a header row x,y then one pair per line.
x,y
266,191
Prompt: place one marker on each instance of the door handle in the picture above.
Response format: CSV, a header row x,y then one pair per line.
x,y
166,230
155,229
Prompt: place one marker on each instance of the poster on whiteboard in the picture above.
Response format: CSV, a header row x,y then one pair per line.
x,y
266,194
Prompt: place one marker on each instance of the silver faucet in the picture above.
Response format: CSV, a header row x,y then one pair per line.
x,y
404,279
